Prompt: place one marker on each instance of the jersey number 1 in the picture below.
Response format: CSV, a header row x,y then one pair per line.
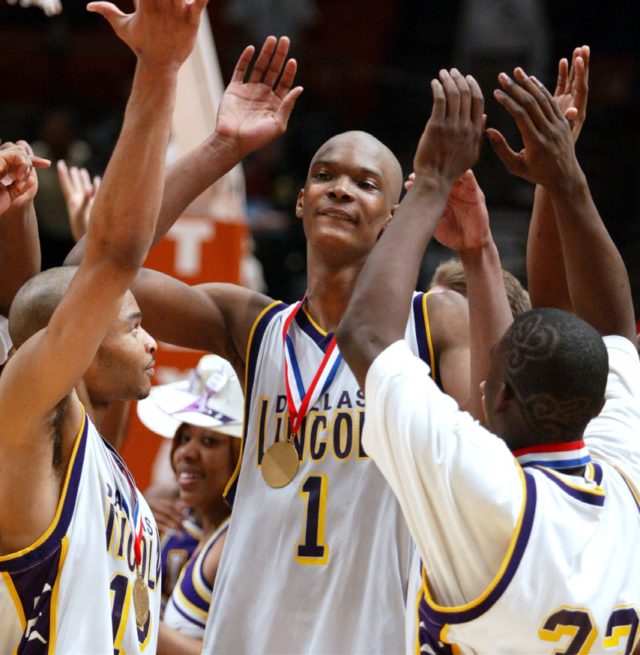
x,y
312,549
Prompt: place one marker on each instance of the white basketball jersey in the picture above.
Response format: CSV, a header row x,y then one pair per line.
x,y
570,582
72,589
320,565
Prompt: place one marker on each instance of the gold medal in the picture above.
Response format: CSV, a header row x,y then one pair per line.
x,y
280,464
140,601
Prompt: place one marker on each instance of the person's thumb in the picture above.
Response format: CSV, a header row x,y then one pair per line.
x,y
109,11
500,146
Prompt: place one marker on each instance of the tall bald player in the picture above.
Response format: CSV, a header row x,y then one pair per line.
x,y
327,546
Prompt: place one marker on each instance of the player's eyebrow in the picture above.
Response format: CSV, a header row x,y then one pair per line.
x,y
135,316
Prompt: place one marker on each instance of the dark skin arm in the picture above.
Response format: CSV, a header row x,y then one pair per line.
x,y
213,317
545,262
598,286
379,308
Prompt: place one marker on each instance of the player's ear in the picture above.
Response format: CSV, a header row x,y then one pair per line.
x,y
300,203
504,398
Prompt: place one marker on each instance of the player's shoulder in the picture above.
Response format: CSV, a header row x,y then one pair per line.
x,y
448,315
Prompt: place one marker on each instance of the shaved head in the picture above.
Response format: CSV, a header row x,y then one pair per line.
x,y
34,304
372,153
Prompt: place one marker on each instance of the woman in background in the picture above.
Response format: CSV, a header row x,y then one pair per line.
x,y
204,416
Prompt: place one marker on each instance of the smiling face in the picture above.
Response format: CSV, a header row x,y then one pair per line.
x,y
123,366
203,461
349,196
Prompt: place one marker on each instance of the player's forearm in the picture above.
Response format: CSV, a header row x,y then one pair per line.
x,y
546,275
190,176
19,252
126,207
379,307
489,315
596,275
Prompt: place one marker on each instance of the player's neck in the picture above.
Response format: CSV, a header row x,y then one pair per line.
x,y
328,294
96,412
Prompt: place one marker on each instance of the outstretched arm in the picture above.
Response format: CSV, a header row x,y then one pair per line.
x,y
545,262
19,243
596,276
251,114
377,313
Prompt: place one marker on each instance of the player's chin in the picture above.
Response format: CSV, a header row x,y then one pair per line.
x,y
144,391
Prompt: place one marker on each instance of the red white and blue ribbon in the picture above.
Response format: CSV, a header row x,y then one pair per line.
x,y
137,516
554,456
299,398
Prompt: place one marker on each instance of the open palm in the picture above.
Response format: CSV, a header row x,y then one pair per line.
x,y
254,112
572,89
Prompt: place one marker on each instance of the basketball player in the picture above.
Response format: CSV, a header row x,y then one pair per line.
x,y
78,546
316,540
515,530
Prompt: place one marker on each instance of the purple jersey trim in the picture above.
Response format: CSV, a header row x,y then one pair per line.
x,y
584,495
434,620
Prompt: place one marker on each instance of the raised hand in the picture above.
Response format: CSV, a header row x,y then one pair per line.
x,y
452,138
79,193
548,157
465,221
254,112
572,89
18,178
160,32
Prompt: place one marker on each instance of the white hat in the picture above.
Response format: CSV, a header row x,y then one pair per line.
x,y
210,398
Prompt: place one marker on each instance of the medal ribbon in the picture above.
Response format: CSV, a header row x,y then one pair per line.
x,y
554,456
298,399
137,516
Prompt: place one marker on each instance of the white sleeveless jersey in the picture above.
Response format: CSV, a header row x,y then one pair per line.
x,y
570,582
320,565
72,589
188,605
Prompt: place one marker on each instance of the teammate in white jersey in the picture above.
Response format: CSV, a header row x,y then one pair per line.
x,y
516,531
78,546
